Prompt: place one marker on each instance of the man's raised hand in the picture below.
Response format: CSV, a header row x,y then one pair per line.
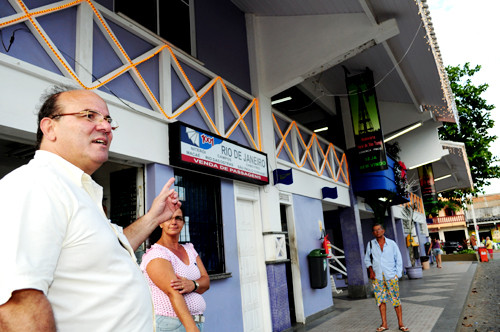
x,y
165,204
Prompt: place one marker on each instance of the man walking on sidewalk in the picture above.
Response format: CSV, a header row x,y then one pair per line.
x,y
489,247
385,266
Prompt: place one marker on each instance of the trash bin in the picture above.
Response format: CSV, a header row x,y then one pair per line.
x,y
318,272
483,254
425,262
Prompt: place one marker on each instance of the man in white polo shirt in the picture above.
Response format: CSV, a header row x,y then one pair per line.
x,y
65,267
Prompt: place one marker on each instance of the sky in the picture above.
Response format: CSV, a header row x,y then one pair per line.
x,y
467,31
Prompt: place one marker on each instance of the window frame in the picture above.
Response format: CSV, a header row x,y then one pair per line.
x,y
192,26
216,246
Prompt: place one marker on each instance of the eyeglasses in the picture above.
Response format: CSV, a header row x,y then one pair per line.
x,y
92,116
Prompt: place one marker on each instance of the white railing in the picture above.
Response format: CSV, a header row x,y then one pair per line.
x,y
315,154
343,269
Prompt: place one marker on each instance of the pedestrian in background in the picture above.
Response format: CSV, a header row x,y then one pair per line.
x,y
473,241
385,266
436,251
489,247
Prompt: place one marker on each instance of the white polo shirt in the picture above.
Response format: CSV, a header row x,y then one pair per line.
x,y
56,238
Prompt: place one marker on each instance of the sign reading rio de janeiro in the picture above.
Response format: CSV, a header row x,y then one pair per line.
x,y
196,149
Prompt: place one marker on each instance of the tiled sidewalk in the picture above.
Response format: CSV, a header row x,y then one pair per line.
x,y
433,303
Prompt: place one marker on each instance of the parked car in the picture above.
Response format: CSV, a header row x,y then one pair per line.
x,y
452,246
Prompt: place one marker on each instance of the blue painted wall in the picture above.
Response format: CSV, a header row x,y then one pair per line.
x,y
307,212
224,297
156,177
25,47
224,312
221,41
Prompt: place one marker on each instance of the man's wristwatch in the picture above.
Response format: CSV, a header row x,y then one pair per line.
x,y
196,285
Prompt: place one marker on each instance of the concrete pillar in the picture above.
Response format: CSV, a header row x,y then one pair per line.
x,y
421,241
354,248
390,227
401,240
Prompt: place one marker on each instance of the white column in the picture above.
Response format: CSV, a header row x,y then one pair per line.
x,y
84,43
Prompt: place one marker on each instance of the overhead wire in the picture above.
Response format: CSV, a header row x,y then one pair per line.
x,y
12,38
323,94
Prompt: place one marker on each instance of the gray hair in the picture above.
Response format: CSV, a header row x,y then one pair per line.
x,y
50,106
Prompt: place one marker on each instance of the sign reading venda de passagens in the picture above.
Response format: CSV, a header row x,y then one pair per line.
x,y
196,149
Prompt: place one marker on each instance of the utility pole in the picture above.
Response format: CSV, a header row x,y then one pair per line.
x,y
476,229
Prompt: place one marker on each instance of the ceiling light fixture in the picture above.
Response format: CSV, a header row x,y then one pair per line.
x,y
320,129
277,101
422,164
402,132
442,177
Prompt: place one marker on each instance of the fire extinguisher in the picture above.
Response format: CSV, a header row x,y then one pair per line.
x,y
326,245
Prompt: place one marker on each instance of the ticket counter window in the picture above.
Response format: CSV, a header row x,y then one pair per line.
x,y
200,197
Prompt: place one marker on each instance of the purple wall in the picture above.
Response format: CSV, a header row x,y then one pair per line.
x,y
156,177
221,41
224,312
25,47
307,212
402,243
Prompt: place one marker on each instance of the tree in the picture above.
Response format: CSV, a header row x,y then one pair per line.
x,y
475,120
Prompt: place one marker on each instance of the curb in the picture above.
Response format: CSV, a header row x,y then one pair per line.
x,y
459,323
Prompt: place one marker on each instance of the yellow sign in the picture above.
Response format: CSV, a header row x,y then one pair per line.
x,y
496,235
410,240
